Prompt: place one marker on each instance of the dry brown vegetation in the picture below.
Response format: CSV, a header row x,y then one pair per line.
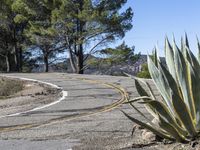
x,y
9,87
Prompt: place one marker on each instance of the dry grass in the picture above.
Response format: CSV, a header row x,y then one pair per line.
x,y
9,87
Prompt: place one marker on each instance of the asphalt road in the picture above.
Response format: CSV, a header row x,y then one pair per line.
x,y
88,118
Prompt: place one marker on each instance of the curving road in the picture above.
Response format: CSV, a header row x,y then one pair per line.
x,y
88,118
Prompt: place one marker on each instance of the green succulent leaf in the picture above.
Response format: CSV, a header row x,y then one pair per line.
x,y
184,115
138,99
171,130
173,84
155,57
170,58
195,94
161,83
184,81
153,129
162,110
193,61
186,41
178,109
140,89
198,45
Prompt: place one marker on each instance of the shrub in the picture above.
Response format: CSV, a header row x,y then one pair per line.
x,y
178,111
9,87
144,73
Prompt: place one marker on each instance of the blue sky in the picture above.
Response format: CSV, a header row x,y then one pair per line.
x,y
154,19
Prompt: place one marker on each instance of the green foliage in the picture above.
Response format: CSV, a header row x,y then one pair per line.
x,y
68,25
38,15
103,25
13,40
93,62
120,54
39,31
178,111
144,73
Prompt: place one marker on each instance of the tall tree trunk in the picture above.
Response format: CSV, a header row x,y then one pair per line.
x,y
6,56
80,69
20,59
80,24
8,61
16,58
72,61
46,63
16,54
7,64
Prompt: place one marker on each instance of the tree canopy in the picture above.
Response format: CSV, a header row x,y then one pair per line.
x,y
77,27
120,54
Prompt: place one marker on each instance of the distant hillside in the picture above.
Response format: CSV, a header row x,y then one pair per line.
x,y
97,65
119,69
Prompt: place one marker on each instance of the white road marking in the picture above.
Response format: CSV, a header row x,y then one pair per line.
x,y
64,94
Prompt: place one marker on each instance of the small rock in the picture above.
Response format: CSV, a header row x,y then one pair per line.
x,y
194,144
155,121
147,135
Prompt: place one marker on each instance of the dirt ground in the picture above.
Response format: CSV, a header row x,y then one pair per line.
x,y
123,140
33,95
153,144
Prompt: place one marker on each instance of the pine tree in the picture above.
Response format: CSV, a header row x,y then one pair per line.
x,y
8,23
120,54
39,31
85,25
78,26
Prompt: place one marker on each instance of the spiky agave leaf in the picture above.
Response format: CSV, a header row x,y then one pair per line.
x,y
153,129
161,84
142,91
170,58
155,57
179,85
183,80
198,45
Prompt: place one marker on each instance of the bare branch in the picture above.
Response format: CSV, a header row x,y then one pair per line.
x,y
56,60
93,48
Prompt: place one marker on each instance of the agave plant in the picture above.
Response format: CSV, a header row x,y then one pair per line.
x,y
178,110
